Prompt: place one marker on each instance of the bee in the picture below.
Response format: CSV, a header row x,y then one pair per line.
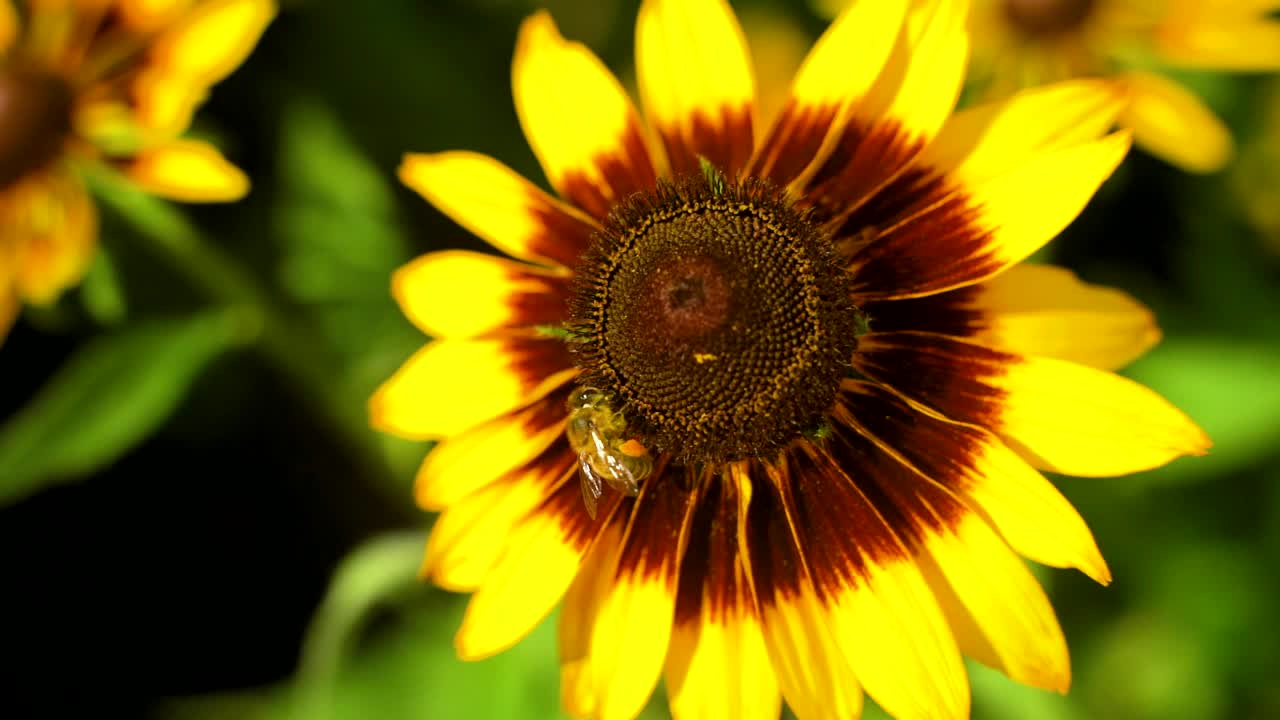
x,y
597,432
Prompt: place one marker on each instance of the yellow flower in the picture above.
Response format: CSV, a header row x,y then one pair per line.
x,y
1027,42
112,82
767,409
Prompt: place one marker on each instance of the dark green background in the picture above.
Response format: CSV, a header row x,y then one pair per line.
x,y
197,525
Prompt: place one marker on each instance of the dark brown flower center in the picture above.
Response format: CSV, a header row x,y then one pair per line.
x,y
1047,17
35,119
717,317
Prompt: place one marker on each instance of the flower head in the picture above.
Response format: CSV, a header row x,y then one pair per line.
x,y
104,81
1027,42
766,408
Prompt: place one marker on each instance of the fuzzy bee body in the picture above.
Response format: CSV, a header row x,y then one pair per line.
x,y
597,432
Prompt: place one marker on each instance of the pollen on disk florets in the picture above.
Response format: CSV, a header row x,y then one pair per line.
x,y
717,315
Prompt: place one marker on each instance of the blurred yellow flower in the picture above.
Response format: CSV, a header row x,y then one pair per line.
x,y
1018,43
112,82
767,409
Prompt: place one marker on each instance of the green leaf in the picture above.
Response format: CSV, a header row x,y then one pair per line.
x,y
381,646
377,570
1147,667
415,673
340,242
1000,698
113,393
101,292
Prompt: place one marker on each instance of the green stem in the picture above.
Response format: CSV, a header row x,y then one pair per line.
x,y
368,577
282,341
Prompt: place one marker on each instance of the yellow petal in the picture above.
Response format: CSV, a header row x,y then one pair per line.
x,y
1032,310
813,674
145,15
1045,310
694,73
213,39
470,536
878,607
1032,516
901,112
865,32
1077,420
635,615
1241,44
450,386
922,79
998,611
500,207
528,580
719,668
52,226
165,102
974,465
980,143
1027,207
465,463
194,54
827,84
188,170
633,623
1061,416
9,25
460,294
976,232
577,620
1173,124
578,119
1204,9
897,642
717,665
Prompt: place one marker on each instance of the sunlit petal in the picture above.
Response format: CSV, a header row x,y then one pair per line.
x,y
578,119
498,205
501,375
971,234
1169,121
460,294
1062,416
827,85
1032,310
461,465
187,170
695,80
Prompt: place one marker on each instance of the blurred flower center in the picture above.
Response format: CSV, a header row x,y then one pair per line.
x,y
719,317
1047,17
35,119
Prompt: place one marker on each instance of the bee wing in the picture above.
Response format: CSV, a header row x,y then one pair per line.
x,y
621,476
592,486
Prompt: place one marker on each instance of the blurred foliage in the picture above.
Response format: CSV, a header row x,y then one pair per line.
x,y
114,392
242,493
